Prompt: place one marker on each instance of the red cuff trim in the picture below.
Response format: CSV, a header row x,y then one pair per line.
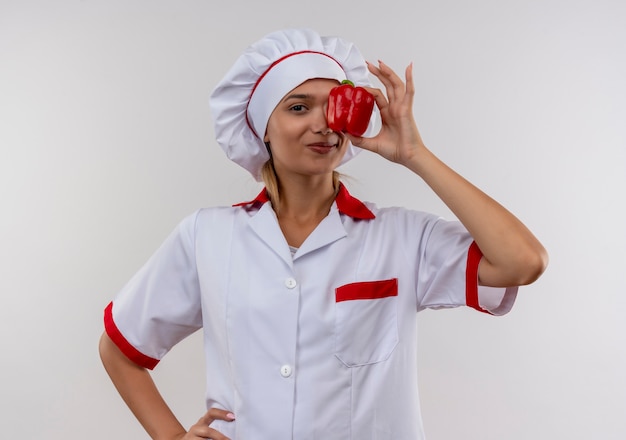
x,y
367,290
474,256
125,347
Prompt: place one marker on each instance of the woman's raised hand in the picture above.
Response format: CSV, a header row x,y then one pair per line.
x,y
399,139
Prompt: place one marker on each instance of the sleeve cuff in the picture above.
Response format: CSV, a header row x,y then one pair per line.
x,y
125,347
492,300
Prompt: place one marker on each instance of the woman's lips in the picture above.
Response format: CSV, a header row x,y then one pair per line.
x,y
322,147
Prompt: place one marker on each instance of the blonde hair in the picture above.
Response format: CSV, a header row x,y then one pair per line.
x,y
270,179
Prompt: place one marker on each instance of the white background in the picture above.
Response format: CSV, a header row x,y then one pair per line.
x,y
106,143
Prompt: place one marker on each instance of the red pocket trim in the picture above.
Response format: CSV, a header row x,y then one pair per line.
x,y
367,290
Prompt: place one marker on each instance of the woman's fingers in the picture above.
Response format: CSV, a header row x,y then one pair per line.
x,y
394,85
397,85
379,98
202,429
220,414
378,73
410,84
398,138
400,93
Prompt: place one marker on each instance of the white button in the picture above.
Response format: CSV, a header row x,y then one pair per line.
x,y
290,283
285,370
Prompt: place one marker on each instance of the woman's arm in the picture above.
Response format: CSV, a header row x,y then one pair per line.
x,y
512,255
138,390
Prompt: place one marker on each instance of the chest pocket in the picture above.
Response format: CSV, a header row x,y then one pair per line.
x,y
366,321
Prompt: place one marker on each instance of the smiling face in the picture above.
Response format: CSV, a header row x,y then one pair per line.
x,y
300,140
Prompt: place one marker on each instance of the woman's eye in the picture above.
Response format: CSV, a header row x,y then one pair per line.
x,y
297,108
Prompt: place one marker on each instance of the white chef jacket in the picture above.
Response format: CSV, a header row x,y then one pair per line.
x,y
318,345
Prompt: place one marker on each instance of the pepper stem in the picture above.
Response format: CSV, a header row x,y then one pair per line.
x,y
347,81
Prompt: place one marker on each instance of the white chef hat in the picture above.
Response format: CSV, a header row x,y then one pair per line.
x,y
243,101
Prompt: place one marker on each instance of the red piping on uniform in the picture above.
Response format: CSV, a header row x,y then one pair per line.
x,y
270,68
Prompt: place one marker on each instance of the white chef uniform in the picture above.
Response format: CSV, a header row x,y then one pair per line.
x,y
318,345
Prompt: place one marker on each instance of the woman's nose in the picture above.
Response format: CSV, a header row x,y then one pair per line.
x,y
321,124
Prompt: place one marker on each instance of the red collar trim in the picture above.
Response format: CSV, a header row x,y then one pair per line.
x,y
346,204
261,198
352,206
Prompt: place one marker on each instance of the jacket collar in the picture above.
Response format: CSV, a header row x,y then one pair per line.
x,y
346,204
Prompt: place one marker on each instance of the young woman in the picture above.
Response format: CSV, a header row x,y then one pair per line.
x,y
308,297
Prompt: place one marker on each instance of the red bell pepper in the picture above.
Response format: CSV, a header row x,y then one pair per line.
x,y
349,108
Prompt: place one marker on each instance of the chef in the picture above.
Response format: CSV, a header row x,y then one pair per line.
x,y
307,297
